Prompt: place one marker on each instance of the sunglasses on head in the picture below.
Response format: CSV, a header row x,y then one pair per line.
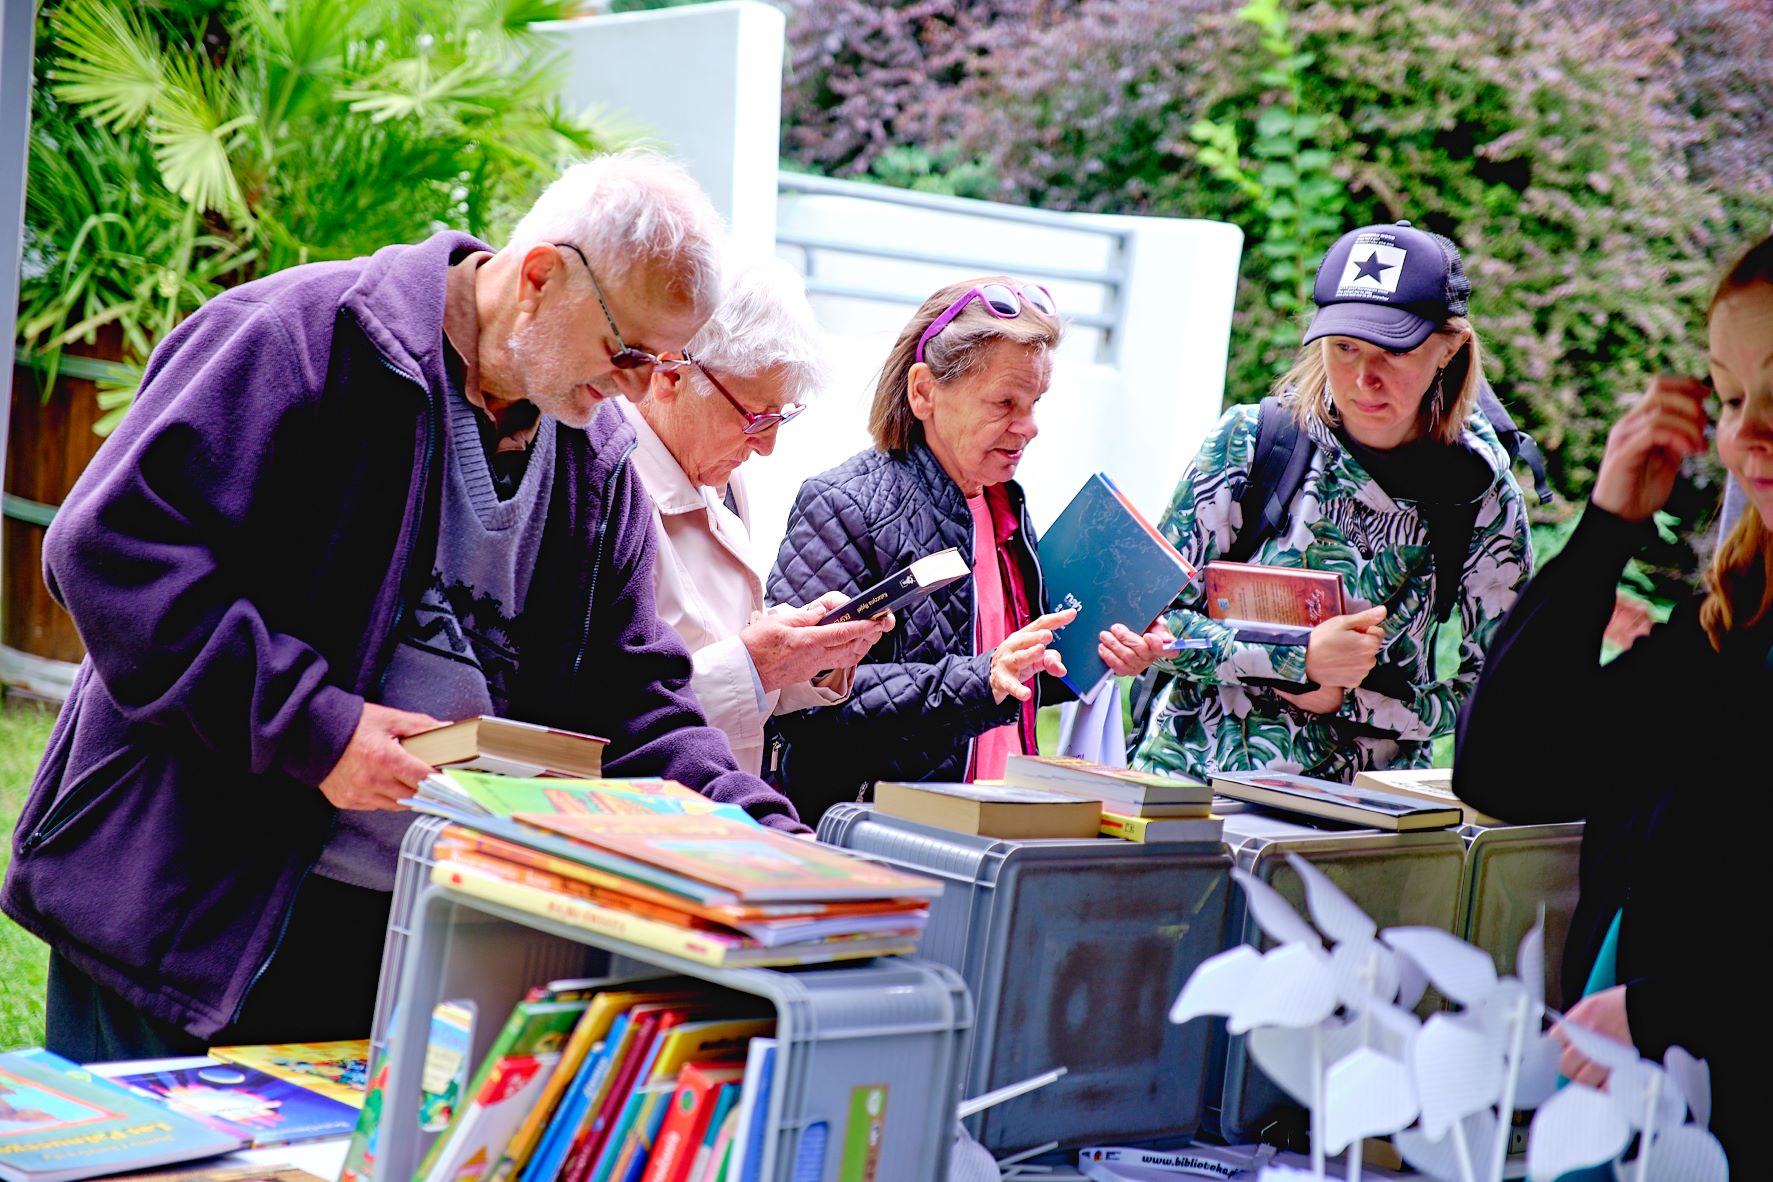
x,y
1000,299
756,422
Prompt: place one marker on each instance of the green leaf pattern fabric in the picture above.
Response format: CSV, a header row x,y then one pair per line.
x,y
1218,715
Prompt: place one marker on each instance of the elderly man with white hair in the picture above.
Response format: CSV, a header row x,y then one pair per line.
x,y
747,373
352,499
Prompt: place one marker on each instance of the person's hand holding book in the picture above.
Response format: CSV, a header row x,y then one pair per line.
x,y
1024,655
1128,654
789,645
375,771
1341,652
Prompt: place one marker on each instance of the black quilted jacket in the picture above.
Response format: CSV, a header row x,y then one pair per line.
x,y
922,693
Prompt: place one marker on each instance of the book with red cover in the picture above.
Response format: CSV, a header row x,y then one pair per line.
x,y
1271,604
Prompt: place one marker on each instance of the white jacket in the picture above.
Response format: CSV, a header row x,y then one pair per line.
x,y
707,591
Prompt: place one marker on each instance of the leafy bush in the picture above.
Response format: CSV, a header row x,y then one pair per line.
x,y
193,144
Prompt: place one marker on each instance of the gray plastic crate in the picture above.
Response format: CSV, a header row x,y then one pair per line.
x,y
1074,951
471,973
1398,878
1509,871
841,1031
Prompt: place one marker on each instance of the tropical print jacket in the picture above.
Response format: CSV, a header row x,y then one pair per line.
x,y
1221,713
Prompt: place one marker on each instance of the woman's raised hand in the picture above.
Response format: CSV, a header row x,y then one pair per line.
x,y
1024,654
1646,446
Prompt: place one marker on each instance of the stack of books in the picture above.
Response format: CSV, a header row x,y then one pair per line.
x,y
704,887
663,1081
509,748
466,795
1136,806
1351,804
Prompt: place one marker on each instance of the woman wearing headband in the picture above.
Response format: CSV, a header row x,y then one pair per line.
x,y
1407,486
1657,750
952,690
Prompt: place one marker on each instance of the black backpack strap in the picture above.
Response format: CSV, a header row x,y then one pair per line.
x,y
1519,444
1277,469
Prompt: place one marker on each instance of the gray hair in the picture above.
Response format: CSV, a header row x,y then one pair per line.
x,y
631,208
763,323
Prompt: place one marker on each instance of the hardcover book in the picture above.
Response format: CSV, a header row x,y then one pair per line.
x,y
753,865
1102,557
990,810
246,1102
1271,604
509,748
1431,784
60,1122
1114,785
929,573
478,794
1367,807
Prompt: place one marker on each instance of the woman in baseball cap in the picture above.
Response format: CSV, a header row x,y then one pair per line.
x,y
1400,484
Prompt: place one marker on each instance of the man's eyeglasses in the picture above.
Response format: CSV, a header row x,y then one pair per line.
x,y
756,422
999,299
625,356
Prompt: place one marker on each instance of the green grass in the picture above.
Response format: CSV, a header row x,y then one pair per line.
x,y
24,730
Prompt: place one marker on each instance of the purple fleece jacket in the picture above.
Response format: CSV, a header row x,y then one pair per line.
x,y
238,559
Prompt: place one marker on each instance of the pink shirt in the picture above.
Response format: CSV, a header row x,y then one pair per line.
x,y
992,748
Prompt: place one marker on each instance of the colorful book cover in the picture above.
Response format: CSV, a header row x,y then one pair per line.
x,y
60,1122
720,1154
478,1140
691,1114
1271,604
1103,558
247,1102
754,864
478,793
339,1070
754,1107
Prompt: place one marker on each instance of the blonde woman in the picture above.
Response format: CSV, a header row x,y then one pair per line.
x,y
1407,495
1658,750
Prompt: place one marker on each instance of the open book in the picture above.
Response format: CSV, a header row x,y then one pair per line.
x,y
927,574
510,748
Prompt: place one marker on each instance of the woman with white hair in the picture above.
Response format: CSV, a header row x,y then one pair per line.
x,y
744,375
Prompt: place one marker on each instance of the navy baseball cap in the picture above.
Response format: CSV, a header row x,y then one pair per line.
x,y
1390,286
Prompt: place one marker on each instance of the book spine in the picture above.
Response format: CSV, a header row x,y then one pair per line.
x,y
581,913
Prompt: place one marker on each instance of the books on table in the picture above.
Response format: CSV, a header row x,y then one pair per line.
x,y
930,573
338,1069
1367,807
464,794
1140,794
1431,784
1271,604
1102,557
245,1102
1162,829
509,747
60,1122
990,810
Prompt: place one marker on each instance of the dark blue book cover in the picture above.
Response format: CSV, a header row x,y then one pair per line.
x,y
1101,557
246,1101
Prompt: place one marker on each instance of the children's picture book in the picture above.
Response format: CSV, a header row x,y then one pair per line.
x,y
930,573
246,1102
1432,784
703,946
1156,829
1366,807
746,1161
60,1122
1112,785
468,794
509,747
1271,604
752,864
339,1070
219,1172
692,1113
1102,557
710,1156
990,810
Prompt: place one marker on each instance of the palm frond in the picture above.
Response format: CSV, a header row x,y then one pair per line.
x,y
193,127
111,65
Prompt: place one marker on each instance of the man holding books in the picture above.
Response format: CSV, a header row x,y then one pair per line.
x,y
351,500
